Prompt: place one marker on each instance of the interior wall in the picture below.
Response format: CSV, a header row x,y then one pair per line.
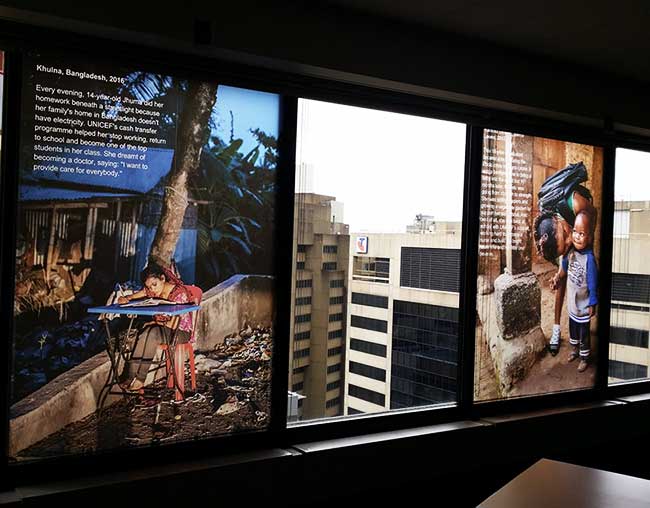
x,y
314,34
298,32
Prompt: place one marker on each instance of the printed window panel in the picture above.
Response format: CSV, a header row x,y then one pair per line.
x,y
629,350
139,193
385,251
538,266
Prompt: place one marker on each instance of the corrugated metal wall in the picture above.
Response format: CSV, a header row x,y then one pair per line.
x,y
133,239
35,221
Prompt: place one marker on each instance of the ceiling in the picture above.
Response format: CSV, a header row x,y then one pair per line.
x,y
600,34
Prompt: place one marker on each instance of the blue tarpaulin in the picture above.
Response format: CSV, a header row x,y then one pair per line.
x,y
39,193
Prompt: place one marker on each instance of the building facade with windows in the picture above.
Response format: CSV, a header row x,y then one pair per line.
x,y
320,273
402,319
629,350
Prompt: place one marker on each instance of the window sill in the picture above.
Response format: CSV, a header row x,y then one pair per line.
x,y
459,446
383,437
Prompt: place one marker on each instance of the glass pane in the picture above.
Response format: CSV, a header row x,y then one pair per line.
x,y
377,260
154,194
539,247
629,354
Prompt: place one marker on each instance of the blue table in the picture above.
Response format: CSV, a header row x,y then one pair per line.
x,y
168,310
116,351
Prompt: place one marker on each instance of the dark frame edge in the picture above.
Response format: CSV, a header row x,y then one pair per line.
x,y
604,139
469,267
426,106
103,461
606,267
283,263
9,194
636,142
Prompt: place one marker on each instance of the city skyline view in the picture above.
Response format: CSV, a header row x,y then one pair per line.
x,y
631,182
349,153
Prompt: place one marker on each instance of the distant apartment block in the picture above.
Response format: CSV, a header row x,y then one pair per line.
x,y
629,350
320,277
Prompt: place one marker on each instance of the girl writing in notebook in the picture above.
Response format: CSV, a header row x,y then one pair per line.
x,y
159,283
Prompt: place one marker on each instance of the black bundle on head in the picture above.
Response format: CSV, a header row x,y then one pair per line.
x,y
545,229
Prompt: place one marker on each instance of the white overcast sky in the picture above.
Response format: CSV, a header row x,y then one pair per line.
x,y
632,182
384,167
387,167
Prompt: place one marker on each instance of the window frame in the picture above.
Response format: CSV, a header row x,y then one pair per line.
x,y
573,134
200,63
16,41
630,141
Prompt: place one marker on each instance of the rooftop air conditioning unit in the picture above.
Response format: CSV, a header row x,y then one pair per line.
x,y
292,406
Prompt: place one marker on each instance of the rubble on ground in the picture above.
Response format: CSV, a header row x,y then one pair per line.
x,y
233,395
239,365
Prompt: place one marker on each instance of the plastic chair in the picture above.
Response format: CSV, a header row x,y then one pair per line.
x,y
181,350
179,368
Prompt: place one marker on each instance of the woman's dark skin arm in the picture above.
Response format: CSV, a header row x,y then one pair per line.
x,y
558,284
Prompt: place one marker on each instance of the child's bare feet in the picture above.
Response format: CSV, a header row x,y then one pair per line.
x,y
582,366
573,355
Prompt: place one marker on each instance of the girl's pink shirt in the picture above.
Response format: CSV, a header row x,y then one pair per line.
x,y
177,295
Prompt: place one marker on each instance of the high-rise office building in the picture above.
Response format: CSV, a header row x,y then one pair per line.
x,y
629,351
403,319
320,275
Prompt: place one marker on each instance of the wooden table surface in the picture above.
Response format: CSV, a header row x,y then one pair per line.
x,y
552,484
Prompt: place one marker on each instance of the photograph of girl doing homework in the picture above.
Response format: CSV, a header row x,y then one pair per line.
x,y
159,283
129,259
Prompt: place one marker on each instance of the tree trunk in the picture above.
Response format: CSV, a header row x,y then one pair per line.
x,y
192,131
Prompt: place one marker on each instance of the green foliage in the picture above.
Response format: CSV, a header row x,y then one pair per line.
x,y
235,220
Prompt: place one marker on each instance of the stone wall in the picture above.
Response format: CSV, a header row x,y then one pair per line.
x,y
227,308
68,398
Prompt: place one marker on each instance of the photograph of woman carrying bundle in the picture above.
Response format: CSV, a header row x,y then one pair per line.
x,y
539,247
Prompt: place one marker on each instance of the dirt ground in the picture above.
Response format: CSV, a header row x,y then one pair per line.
x,y
549,373
233,394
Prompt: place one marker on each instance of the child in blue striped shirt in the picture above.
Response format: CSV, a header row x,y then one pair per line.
x,y
579,266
